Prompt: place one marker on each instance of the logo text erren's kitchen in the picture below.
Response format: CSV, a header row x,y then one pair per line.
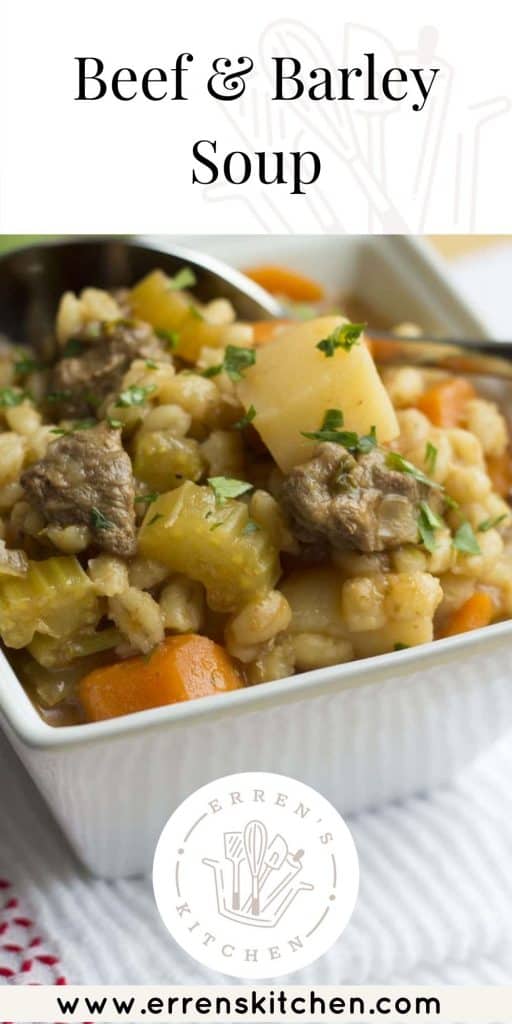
x,y
255,875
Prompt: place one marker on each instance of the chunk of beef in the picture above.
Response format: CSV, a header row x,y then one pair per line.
x,y
79,382
353,502
86,478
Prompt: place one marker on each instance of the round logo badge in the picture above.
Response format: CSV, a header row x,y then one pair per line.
x,y
255,875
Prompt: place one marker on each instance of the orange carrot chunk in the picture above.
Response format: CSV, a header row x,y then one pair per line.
x,y
289,283
477,611
444,403
499,468
267,330
181,668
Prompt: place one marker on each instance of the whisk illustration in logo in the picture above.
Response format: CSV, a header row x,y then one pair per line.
x,y
256,875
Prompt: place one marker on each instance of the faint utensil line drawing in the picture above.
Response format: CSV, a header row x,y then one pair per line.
x,y
496,106
277,852
255,843
295,864
339,138
234,852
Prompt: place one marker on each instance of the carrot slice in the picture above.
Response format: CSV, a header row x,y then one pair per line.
x,y
499,468
281,281
266,330
444,403
182,668
476,612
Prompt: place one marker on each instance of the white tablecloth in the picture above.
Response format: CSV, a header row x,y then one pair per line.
x,y
435,901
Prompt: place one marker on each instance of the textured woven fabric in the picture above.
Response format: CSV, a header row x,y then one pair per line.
x,y
435,902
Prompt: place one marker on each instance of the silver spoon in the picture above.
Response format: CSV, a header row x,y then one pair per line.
x,y
32,279
458,355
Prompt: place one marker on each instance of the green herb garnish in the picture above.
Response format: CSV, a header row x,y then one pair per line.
x,y
428,523
87,424
195,312
155,518
430,456
345,336
151,365
136,394
9,398
171,338
401,647
147,499
99,521
396,461
465,540
246,419
115,424
330,431
450,502
225,487
27,364
490,524
73,347
185,278
58,396
235,361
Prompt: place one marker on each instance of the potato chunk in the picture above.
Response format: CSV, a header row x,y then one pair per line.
x,y
293,383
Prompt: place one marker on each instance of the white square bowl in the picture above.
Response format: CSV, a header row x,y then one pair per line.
x,y
363,733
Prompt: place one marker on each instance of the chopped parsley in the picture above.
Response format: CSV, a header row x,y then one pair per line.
x,y
136,394
430,456
401,647
155,518
235,361
151,365
428,523
344,336
490,524
450,502
27,364
115,424
465,540
87,424
225,487
185,278
147,499
171,338
396,461
195,312
73,347
245,419
9,398
58,396
99,521
330,431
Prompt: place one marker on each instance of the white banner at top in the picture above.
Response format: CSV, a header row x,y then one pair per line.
x,y
225,117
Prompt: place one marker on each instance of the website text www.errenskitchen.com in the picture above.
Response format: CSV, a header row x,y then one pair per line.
x,y
274,1005
183,1004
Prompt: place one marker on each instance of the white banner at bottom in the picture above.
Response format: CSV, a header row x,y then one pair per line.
x,y
178,1003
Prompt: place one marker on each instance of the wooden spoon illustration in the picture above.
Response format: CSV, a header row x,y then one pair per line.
x,y
255,844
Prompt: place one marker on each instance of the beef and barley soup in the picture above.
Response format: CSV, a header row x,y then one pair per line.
x,y
191,504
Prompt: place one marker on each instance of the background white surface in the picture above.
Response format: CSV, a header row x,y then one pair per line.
x,y
118,167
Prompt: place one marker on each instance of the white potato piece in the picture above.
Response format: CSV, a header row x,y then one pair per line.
x,y
293,383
